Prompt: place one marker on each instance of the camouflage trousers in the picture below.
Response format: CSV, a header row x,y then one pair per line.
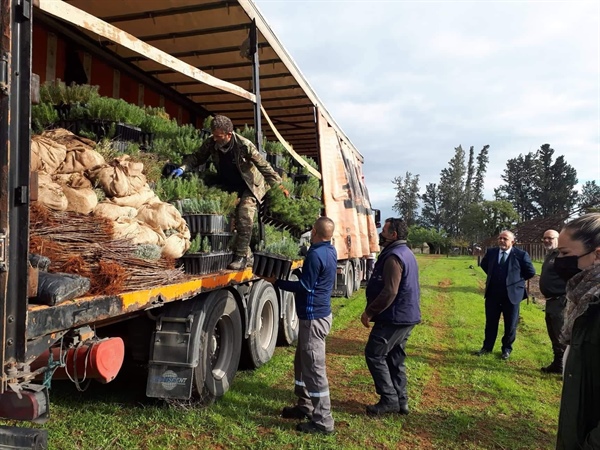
x,y
244,220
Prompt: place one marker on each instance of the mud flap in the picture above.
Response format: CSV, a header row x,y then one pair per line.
x,y
173,357
169,381
23,438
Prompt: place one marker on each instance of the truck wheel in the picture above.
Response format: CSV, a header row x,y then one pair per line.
x,y
264,323
349,280
220,346
289,323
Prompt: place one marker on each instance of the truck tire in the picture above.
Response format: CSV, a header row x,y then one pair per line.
x,y
264,324
289,323
220,346
349,280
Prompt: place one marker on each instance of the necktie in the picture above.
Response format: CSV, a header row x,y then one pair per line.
x,y
503,258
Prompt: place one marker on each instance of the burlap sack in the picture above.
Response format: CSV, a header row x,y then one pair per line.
x,y
75,180
161,215
132,169
114,180
114,212
35,163
81,200
144,195
68,139
50,194
175,246
136,231
50,154
80,158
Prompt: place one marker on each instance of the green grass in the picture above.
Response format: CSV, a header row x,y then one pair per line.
x,y
458,401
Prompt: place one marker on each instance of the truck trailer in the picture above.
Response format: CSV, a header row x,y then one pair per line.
x,y
195,58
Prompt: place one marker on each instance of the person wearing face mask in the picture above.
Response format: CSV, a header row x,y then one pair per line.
x,y
393,304
578,262
507,269
553,287
241,169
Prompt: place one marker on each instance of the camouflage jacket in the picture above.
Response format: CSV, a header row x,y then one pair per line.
x,y
254,169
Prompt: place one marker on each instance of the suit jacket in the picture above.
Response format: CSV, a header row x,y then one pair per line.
x,y
519,270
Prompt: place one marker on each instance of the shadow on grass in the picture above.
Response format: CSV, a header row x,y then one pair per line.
x,y
252,403
454,289
466,360
129,389
457,429
345,347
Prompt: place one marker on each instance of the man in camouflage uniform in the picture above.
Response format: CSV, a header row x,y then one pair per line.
x,y
241,169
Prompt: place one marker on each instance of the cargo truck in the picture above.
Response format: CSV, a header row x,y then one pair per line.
x,y
194,58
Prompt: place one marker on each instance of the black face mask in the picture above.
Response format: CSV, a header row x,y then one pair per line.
x,y
383,240
567,266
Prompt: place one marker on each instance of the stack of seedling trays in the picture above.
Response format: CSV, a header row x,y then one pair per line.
x,y
214,255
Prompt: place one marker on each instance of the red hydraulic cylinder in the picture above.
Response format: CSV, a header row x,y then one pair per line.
x,y
100,360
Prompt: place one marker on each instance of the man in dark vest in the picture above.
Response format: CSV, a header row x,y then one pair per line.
x,y
393,304
507,269
553,288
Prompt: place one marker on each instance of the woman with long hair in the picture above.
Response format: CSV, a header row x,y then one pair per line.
x,y
579,263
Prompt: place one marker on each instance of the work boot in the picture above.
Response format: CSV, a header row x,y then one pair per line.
x,y
238,263
294,412
380,409
554,367
250,260
311,427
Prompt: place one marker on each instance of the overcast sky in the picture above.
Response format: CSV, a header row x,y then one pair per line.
x,y
408,81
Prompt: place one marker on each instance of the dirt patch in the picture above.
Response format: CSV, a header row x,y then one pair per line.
x,y
533,289
447,282
342,347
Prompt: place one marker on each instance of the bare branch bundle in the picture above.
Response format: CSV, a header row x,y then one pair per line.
x,y
83,245
68,226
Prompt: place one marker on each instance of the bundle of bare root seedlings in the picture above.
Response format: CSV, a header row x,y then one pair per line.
x,y
83,245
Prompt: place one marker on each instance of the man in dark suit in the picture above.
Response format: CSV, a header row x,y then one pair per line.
x,y
507,268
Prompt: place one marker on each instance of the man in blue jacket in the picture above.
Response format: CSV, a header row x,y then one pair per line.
x,y
313,306
393,303
507,269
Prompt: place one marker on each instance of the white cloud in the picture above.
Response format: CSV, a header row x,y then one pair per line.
x,y
410,81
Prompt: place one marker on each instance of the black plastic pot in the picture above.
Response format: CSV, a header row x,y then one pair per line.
x,y
125,132
271,265
204,263
72,125
276,160
63,110
205,223
101,128
300,178
146,139
219,241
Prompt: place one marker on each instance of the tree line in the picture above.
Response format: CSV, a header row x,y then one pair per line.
x,y
453,212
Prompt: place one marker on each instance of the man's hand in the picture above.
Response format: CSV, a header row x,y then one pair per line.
x,y
365,320
271,280
285,191
177,173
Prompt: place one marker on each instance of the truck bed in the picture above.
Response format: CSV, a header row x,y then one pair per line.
x,y
43,320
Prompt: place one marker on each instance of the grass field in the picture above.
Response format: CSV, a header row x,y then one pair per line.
x,y
457,400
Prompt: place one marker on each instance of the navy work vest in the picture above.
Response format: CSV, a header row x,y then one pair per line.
x,y
405,310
